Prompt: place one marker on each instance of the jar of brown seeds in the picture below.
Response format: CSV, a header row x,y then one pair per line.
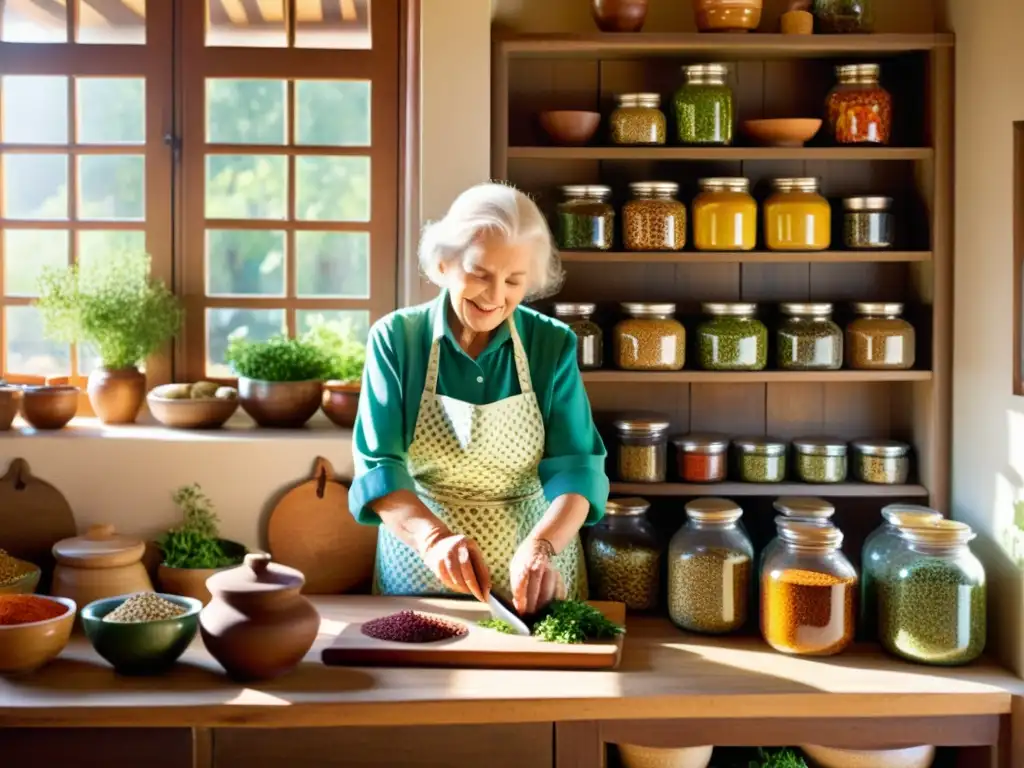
x,y
624,556
649,338
882,462
654,220
879,338
638,119
643,448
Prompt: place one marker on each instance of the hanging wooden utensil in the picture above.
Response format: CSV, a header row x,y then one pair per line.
x,y
312,530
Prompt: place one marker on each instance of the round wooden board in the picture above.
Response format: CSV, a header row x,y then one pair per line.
x,y
311,529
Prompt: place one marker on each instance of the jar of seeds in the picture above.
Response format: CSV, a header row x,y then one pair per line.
x,y
844,16
654,220
586,220
624,556
878,548
932,597
804,509
732,338
882,462
859,109
702,458
638,119
819,459
868,223
808,590
807,339
709,569
589,338
643,448
649,338
760,459
704,106
797,217
879,338
724,216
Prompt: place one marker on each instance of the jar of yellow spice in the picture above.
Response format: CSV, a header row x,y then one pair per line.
x,y
797,217
724,215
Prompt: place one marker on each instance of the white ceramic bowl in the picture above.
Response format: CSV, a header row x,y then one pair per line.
x,y
655,757
833,757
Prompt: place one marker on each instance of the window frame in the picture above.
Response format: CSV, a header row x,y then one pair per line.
x,y
1018,258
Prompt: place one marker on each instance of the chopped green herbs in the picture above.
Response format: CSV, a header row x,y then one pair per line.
x,y
498,625
573,621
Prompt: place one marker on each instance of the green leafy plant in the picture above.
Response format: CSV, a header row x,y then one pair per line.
x,y
196,542
337,340
279,359
573,621
114,307
779,758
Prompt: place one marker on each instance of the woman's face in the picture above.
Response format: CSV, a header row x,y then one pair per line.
x,y
486,295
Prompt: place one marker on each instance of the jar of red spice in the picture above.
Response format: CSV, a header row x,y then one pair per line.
x,y
859,110
702,458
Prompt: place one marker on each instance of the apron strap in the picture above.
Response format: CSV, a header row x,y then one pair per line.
x,y
518,353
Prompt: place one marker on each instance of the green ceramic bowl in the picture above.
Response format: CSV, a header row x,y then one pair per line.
x,y
143,648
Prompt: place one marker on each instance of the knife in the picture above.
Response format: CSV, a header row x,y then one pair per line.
x,y
500,611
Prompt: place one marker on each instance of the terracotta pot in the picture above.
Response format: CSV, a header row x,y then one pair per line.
x,y
341,402
116,395
10,401
49,407
279,403
619,15
191,582
99,564
258,625
728,15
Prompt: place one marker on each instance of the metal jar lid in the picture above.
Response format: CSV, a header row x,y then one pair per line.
x,y
725,184
820,446
628,507
713,510
642,425
910,515
566,309
806,184
645,309
878,308
646,100
730,308
867,203
765,446
586,191
859,73
713,74
941,533
889,449
644,189
810,533
806,309
803,508
702,443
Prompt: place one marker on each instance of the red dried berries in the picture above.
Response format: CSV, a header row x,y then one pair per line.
x,y
412,627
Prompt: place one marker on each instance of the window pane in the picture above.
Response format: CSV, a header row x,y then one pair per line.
x,y
111,110
246,24
26,253
94,245
333,112
339,24
23,21
332,188
224,324
112,187
354,321
334,264
245,262
246,186
27,351
120,23
88,360
35,186
35,110
245,111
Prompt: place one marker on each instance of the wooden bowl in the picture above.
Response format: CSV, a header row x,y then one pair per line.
x,y
568,126
653,757
833,757
784,132
206,413
49,407
25,584
341,403
24,647
280,404
728,15
10,400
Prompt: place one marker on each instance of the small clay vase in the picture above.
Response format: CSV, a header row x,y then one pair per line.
x,y
116,395
619,15
258,625
341,403
100,564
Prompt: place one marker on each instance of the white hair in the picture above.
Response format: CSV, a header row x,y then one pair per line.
x,y
494,209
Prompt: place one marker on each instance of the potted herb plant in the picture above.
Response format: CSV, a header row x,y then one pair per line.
x,y
194,551
280,380
121,312
347,357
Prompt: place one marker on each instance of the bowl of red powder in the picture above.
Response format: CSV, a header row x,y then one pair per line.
x,y
34,629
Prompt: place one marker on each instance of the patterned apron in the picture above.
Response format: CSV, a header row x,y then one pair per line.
x,y
475,467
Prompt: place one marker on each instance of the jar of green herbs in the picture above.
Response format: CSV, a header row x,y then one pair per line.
x,y
589,337
732,338
807,339
704,106
760,459
624,555
819,459
586,220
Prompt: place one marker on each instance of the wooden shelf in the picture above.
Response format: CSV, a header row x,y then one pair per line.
x,y
845,490
742,257
751,377
735,154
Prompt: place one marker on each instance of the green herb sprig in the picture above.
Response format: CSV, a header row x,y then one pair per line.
x,y
782,758
573,621
498,625
279,359
195,543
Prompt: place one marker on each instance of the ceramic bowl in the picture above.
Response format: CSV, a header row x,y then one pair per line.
x,y
286,404
25,584
25,647
205,413
786,132
655,757
141,648
341,403
728,15
833,757
10,400
49,407
570,126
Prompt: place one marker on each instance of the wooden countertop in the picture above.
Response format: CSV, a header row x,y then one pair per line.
x,y
664,674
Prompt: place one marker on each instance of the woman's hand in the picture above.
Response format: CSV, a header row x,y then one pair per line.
x,y
457,561
535,579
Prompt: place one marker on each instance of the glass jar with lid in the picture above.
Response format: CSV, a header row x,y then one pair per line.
x,y
844,16
702,458
710,567
808,591
638,119
654,220
797,217
704,106
624,555
881,462
879,338
868,223
586,220
932,597
819,459
724,215
858,108
799,508
878,548
649,338
760,459
643,448
589,338
807,339
732,338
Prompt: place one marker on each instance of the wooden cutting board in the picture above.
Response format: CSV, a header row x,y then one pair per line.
x,y
479,648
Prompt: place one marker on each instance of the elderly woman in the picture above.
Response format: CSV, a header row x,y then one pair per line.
x,y
475,448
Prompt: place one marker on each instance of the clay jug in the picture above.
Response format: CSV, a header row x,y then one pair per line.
x,y
258,625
